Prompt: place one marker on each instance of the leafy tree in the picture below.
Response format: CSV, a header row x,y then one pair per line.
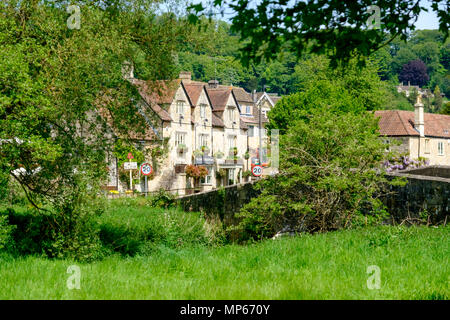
x,y
437,99
413,94
328,177
446,108
336,28
54,84
403,56
348,89
414,72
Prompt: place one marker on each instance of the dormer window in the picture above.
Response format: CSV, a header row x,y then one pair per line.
x,y
180,107
248,109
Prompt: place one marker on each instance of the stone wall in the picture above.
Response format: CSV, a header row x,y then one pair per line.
x,y
223,202
421,193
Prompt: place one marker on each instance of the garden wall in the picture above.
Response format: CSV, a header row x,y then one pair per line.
x,y
421,193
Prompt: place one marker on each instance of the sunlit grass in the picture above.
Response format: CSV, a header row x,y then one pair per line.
x,y
413,263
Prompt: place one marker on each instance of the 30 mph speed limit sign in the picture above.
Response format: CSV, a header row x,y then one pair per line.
x,y
146,169
257,170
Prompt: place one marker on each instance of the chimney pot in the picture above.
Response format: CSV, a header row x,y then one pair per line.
x,y
419,123
185,76
213,84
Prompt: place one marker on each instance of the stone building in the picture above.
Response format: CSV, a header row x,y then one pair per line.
x,y
205,124
420,134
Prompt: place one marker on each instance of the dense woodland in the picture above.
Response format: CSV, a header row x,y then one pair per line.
x,y
214,53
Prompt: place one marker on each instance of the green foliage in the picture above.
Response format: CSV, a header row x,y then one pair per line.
x,y
348,89
131,228
446,109
437,99
5,232
121,150
334,28
329,175
61,91
247,173
56,235
162,199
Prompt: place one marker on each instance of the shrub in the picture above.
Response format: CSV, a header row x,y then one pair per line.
x,y
5,232
130,228
328,177
196,172
162,199
247,173
404,162
56,234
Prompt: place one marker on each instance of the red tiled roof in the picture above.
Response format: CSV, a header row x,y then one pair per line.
x,y
242,95
131,133
156,93
219,98
242,124
217,122
401,123
193,91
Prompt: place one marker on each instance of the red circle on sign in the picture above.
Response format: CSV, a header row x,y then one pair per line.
x,y
257,170
146,169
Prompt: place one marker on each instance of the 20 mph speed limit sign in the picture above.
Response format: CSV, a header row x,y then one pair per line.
x,y
146,169
257,170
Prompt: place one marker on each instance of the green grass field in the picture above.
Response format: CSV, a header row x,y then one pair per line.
x,y
414,264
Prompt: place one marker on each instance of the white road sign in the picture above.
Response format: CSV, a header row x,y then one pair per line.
x,y
146,169
257,171
130,165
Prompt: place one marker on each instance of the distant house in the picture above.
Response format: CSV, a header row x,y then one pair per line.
x,y
266,101
421,134
409,88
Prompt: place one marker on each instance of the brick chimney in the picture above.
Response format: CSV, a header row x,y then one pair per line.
x,y
212,84
185,76
418,116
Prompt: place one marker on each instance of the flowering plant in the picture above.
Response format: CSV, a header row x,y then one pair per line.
x,y
196,172
404,162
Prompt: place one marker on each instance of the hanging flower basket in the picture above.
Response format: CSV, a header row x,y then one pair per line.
x,y
181,148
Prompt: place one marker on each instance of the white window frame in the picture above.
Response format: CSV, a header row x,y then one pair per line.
x,y
251,131
180,138
180,107
203,111
203,140
231,172
230,111
427,146
208,179
440,148
248,109
232,141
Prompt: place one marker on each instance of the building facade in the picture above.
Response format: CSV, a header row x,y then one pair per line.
x,y
418,134
203,124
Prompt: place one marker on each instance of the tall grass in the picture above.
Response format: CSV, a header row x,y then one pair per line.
x,y
413,262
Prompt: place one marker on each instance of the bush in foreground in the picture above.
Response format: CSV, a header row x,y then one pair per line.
x,y
329,177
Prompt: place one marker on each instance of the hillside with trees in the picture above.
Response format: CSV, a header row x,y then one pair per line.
x,y
422,60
